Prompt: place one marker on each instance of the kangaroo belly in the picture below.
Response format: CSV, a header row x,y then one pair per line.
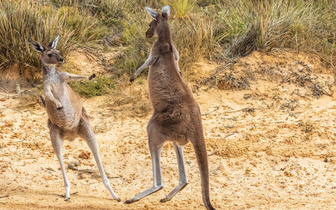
x,y
66,118
69,116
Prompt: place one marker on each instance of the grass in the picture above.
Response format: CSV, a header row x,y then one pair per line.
x,y
132,101
202,29
192,36
21,21
182,7
224,31
263,25
96,87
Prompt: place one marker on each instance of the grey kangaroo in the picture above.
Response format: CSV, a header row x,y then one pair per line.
x,y
67,117
177,116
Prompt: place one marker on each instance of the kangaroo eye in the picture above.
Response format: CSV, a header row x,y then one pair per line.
x,y
49,54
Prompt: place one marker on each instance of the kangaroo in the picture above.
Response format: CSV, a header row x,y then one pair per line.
x,y
67,117
149,34
176,117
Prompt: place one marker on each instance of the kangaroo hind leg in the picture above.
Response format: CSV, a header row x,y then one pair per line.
x,y
86,132
155,141
183,181
57,143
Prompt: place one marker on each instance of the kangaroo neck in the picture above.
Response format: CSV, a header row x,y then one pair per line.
x,y
48,70
164,34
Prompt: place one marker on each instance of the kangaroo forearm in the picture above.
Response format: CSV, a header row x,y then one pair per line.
x,y
140,69
177,58
176,54
51,97
150,60
73,77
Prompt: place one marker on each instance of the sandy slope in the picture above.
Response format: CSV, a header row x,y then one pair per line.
x,y
270,147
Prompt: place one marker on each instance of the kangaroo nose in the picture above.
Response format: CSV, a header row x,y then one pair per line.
x,y
61,60
147,34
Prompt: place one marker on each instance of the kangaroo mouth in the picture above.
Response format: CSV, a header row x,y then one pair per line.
x,y
149,35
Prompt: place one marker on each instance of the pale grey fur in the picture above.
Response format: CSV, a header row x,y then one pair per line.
x,y
166,9
152,59
152,12
67,117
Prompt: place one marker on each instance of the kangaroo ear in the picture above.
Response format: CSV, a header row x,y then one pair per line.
x,y
53,43
152,12
39,48
166,9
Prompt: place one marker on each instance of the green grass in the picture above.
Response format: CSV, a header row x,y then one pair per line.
x,y
245,26
96,87
181,8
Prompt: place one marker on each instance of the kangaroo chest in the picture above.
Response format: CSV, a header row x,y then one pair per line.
x,y
69,115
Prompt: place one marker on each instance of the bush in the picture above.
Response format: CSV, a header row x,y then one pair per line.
x,y
21,21
245,25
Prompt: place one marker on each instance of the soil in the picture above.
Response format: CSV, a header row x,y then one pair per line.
x,y
271,145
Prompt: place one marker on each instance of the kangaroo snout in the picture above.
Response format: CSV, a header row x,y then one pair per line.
x,y
61,60
149,34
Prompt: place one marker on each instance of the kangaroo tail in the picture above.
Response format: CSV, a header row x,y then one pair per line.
x,y
43,101
202,160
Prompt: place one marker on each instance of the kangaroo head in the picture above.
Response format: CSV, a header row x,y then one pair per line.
x,y
159,21
49,55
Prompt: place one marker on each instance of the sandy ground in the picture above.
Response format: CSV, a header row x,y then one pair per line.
x,y
271,146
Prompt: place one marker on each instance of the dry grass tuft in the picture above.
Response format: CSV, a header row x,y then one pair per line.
x,y
133,101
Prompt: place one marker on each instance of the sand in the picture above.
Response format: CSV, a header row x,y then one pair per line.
x,y
271,146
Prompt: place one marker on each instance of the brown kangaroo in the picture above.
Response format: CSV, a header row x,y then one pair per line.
x,y
176,117
67,117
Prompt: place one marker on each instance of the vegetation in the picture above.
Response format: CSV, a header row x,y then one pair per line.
x,y
21,21
210,29
182,7
97,87
224,30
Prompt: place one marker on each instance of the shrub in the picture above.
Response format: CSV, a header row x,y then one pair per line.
x,y
23,21
262,25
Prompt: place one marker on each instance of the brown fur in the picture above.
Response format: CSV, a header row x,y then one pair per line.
x,y
176,116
